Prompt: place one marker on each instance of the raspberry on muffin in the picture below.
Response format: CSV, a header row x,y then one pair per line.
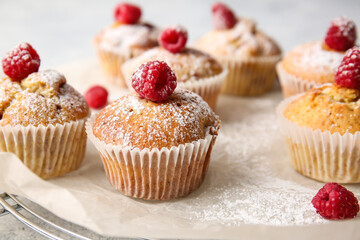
x,y
341,34
20,62
154,81
173,39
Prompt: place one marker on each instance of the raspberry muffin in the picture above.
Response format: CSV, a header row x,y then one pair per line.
x,y
156,143
313,64
249,54
123,40
42,117
195,70
322,126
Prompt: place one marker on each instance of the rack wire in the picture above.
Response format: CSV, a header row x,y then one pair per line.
x,y
10,204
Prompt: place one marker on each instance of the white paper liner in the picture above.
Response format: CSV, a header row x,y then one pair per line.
x,y
249,77
156,174
292,85
321,155
49,151
208,88
111,66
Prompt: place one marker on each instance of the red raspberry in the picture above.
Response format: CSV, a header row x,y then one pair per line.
x,y
20,62
173,38
96,97
127,13
348,72
341,34
333,201
154,81
223,17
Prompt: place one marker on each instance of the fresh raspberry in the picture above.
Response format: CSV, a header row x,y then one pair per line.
x,y
20,62
341,34
333,201
348,72
154,81
96,97
173,38
223,16
127,13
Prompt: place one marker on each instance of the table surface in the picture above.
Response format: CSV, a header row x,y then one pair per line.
x,y
62,32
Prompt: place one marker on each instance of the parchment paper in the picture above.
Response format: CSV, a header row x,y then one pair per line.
x,y
250,191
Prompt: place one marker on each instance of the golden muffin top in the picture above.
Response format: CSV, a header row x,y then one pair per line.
x,y
139,123
329,107
43,97
244,40
188,64
313,62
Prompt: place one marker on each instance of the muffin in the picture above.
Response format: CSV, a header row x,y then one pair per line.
x,y
121,41
43,123
249,54
42,118
322,126
195,70
155,150
313,64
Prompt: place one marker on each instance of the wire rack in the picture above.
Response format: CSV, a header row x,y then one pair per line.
x,y
10,204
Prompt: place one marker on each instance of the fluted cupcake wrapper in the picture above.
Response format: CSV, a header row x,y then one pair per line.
x,y
208,88
321,155
111,63
249,77
155,174
49,151
292,85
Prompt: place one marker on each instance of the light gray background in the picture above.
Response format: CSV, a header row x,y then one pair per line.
x,y
62,32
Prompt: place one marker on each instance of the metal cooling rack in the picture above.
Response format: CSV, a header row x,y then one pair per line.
x,y
10,204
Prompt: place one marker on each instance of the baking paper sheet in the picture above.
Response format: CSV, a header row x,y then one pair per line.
x,y
250,191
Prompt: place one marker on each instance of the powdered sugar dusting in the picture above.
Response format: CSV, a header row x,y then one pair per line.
x,y
42,98
319,59
250,179
243,40
123,38
345,26
188,64
135,122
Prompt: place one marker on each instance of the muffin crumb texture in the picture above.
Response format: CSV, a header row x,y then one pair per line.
x,y
243,40
189,64
313,62
330,107
42,98
134,122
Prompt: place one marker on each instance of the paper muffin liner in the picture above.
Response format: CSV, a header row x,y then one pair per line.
x,y
155,174
249,77
49,151
292,85
111,63
321,155
208,88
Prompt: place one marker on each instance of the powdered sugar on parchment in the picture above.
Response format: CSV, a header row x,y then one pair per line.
x,y
250,180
